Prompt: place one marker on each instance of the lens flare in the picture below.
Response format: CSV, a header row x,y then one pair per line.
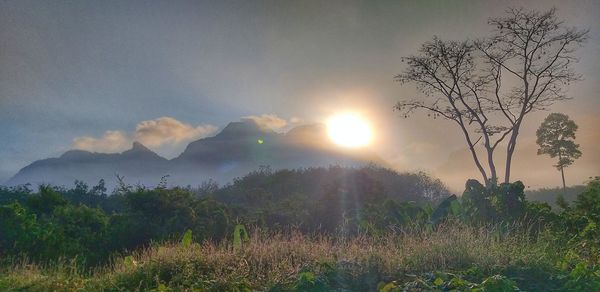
x,y
349,130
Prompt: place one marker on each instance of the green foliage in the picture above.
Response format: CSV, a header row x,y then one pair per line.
x,y
440,281
240,235
495,203
19,228
186,241
324,198
551,195
377,218
129,262
307,281
65,231
78,231
49,225
555,137
588,202
388,287
271,263
476,202
554,251
448,207
45,200
583,277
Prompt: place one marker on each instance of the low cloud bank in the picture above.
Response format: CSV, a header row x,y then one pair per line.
x,y
163,134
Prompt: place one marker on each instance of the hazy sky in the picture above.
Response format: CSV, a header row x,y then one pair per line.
x,y
167,72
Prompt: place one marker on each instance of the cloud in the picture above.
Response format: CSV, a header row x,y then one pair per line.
x,y
165,135
111,141
169,131
269,121
296,120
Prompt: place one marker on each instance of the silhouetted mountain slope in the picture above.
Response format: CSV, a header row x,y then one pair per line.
x,y
137,164
238,141
238,149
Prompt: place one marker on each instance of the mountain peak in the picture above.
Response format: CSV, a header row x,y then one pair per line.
x,y
137,146
238,149
75,153
243,128
139,150
312,134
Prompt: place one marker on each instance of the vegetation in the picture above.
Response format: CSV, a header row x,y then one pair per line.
x,y
91,225
294,261
555,136
221,238
487,87
550,196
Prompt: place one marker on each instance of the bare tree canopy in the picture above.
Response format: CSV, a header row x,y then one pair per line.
x,y
488,86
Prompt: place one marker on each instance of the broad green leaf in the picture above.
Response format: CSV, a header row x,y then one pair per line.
x,y
187,238
308,277
162,288
455,207
240,235
389,287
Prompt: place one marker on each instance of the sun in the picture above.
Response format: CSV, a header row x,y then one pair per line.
x,y
349,130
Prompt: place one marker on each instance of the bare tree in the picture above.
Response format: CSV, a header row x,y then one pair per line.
x,y
537,50
489,86
453,87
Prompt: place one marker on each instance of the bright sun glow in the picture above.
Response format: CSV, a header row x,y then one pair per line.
x,y
349,130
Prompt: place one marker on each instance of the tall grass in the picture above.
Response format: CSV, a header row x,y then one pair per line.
x,y
276,259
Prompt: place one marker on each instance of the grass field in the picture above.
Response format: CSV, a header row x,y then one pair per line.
x,y
452,256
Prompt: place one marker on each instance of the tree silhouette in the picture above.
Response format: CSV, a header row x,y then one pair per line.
x,y
555,138
488,87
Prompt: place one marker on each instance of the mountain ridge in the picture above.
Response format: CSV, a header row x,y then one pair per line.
x,y
237,149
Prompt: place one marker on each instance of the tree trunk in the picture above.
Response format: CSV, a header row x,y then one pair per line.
x,y
474,153
510,149
479,166
493,174
562,173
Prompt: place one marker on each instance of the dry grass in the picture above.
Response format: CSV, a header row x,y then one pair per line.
x,y
275,259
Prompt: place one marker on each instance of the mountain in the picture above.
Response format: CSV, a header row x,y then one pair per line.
x,y
137,164
238,149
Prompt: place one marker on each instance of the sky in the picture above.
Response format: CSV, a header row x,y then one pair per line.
x,y
97,75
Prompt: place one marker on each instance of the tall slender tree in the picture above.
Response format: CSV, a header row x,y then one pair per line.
x,y
555,136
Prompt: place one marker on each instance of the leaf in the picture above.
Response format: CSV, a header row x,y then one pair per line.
x,y
161,287
308,277
455,208
389,287
129,262
240,235
442,211
186,241
438,281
